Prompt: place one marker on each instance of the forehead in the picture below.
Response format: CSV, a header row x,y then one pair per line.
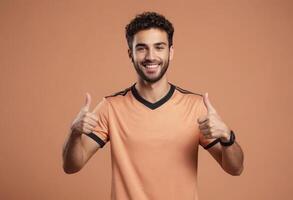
x,y
150,36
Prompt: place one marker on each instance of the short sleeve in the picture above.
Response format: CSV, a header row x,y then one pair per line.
x,y
205,142
101,132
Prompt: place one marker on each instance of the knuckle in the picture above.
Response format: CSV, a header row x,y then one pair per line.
x,y
209,124
93,115
83,127
86,114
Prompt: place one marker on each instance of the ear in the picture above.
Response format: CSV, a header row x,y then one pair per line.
x,y
171,54
129,53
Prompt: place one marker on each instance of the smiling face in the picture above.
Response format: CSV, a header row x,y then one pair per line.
x,y
151,54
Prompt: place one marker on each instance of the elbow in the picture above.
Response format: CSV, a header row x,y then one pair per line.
x,y
71,170
71,167
237,172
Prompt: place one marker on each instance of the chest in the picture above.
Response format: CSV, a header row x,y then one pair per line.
x,y
153,129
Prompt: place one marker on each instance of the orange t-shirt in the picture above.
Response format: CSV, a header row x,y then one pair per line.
x,y
154,146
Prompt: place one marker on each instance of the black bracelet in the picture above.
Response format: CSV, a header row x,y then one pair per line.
x,y
231,141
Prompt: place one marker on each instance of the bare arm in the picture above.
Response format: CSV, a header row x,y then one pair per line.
x,y
230,158
78,147
77,150
212,126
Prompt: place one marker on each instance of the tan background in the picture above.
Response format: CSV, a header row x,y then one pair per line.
x,y
53,52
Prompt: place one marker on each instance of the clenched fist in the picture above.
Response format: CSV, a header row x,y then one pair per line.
x,y
85,121
211,125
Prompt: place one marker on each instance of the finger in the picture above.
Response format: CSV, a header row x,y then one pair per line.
x,y
90,122
202,119
93,116
205,131
204,126
208,136
204,123
209,123
87,128
88,101
208,104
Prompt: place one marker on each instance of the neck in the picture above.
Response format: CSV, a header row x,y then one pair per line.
x,y
153,92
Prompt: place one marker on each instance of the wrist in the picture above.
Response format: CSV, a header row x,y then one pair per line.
x,y
230,141
226,137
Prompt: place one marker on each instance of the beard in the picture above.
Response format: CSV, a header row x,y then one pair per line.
x,y
138,67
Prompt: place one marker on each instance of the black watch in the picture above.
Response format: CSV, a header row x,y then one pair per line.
x,y
231,141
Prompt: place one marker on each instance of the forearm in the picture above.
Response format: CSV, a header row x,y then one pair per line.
x,y
73,153
232,159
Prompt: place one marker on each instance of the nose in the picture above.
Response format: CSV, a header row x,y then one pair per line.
x,y
150,54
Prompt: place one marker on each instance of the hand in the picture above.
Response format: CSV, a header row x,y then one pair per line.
x,y
211,125
85,121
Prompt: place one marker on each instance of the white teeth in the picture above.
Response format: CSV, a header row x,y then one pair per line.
x,y
151,66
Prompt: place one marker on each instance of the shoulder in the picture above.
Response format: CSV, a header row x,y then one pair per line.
x,y
187,95
186,92
194,99
118,94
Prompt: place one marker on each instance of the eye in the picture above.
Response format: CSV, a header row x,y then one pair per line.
x,y
160,47
140,48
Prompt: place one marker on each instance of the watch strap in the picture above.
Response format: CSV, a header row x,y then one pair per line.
x,y
231,141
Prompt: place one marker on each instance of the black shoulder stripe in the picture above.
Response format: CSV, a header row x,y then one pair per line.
x,y
123,93
96,138
186,91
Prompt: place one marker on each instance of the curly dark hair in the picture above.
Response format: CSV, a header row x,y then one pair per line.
x,y
147,20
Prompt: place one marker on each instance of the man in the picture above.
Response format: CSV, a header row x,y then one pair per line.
x,y
154,127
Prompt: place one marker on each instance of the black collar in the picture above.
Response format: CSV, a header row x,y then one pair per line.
x,y
156,104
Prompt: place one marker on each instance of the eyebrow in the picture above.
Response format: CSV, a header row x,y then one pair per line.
x,y
156,44
161,43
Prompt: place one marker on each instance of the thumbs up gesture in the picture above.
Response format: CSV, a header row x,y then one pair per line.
x,y
85,121
211,125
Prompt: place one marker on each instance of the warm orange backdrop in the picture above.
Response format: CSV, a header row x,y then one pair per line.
x,y
54,51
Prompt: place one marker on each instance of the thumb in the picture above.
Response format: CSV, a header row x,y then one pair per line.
x,y
208,104
88,101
